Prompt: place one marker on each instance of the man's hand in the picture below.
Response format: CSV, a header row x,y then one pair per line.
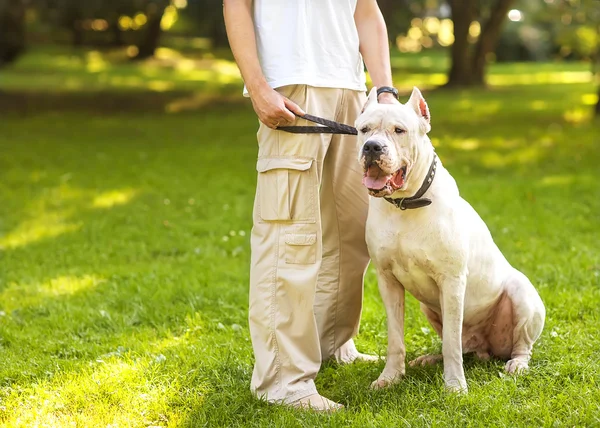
x,y
272,108
387,98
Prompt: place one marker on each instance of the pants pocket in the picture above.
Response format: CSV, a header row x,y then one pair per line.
x,y
287,189
301,248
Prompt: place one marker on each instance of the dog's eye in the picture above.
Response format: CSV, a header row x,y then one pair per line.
x,y
365,129
399,131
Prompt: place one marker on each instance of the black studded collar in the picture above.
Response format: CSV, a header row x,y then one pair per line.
x,y
417,201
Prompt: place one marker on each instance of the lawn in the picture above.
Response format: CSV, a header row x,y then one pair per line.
x,y
124,249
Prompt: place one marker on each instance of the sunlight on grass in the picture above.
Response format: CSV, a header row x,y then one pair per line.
x,y
116,390
113,197
199,100
577,115
49,218
18,296
50,225
51,215
407,81
539,105
95,62
540,78
467,144
160,85
127,81
557,180
526,155
589,99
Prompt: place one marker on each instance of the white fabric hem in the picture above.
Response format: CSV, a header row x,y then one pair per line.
x,y
353,86
287,399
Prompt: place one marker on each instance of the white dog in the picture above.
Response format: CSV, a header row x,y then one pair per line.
x,y
424,238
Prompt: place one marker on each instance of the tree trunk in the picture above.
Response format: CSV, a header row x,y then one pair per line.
x,y
218,34
463,13
12,30
387,9
488,38
77,33
149,44
117,34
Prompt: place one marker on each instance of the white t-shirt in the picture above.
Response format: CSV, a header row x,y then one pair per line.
x,y
311,42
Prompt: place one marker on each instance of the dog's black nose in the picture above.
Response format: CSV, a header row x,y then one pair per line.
x,y
372,148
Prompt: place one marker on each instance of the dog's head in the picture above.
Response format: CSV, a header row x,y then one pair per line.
x,y
389,137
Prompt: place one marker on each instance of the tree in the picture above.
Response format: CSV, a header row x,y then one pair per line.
x,y
12,30
155,11
468,66
208,14
579,32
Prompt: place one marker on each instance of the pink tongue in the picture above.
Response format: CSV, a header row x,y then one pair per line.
x,y
375,178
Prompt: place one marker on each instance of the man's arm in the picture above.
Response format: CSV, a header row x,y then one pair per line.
x,y
374,47
272,108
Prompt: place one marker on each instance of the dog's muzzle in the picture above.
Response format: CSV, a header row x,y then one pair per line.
x,y
372,151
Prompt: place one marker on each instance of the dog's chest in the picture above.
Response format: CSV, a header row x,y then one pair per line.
x,y
410,263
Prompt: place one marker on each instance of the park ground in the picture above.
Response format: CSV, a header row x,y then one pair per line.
x,y
125,213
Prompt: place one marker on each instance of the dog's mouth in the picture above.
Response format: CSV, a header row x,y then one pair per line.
x,y
382,184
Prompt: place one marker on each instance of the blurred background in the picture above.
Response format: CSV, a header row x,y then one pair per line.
x,y
127,178
168,45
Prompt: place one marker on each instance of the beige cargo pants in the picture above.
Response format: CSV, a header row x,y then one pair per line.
x,y
308,246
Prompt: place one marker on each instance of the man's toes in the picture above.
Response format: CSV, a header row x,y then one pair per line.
x,y
368,358
317,403
516,366
425,360
457,386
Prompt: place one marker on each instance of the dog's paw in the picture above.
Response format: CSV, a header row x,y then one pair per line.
x,y
425,360
516,366
457,386
385,382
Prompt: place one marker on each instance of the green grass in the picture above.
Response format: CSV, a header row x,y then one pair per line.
x,y
124,253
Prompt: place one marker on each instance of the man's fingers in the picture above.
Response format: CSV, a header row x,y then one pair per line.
x,y
286,116
292,106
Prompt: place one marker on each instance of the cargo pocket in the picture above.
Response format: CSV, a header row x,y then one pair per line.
x,y
287,188
301,248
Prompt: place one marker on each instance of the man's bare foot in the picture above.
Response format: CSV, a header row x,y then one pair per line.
x,y
318,403
347,354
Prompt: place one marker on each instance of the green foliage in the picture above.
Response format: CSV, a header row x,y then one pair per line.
x,y
124,252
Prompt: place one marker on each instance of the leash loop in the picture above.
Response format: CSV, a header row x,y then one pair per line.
x,y
329,127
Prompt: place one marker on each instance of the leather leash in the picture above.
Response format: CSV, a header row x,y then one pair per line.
x,y
332,127
329,127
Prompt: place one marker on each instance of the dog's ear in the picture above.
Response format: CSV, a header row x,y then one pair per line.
x,y
371,100
417,102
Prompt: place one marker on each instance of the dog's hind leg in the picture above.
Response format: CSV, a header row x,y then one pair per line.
x,y
528,320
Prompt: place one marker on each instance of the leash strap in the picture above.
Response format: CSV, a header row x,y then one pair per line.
x,y
329,127
417,201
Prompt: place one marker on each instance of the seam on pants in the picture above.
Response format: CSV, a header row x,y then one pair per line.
x,y
337,221
274,312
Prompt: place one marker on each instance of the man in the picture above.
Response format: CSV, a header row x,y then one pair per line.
x,y
308,247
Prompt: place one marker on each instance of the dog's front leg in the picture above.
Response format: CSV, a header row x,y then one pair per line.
x,y
392,294
453,297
